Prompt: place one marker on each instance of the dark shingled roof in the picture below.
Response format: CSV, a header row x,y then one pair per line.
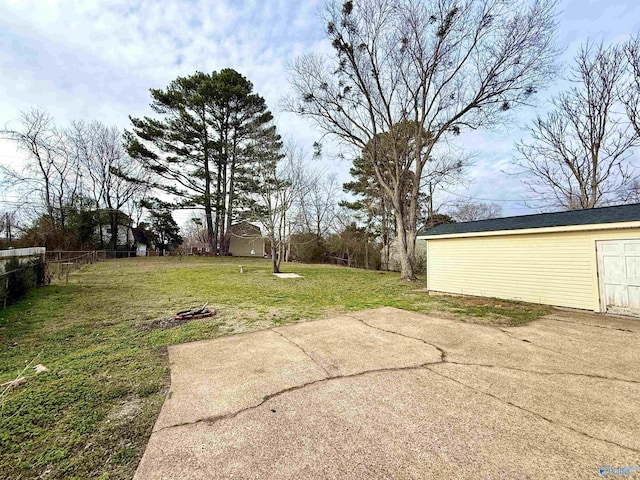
x,y
619,213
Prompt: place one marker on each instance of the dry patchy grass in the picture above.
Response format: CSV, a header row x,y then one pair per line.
x,y
90,416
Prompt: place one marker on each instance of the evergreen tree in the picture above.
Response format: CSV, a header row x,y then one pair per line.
x,y
197,149
177,149
372,204
165,231
239,117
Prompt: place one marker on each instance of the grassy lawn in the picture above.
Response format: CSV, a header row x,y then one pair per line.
x,y
91,414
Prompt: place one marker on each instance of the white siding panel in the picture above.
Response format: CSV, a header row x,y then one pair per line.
x,y
550,268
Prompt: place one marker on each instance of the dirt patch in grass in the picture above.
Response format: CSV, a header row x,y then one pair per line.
x,y
491,311
124,412
481,310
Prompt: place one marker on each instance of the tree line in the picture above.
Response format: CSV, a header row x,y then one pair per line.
x,y
404,81
72,183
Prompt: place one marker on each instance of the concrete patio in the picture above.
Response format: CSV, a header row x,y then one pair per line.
x,y
387,393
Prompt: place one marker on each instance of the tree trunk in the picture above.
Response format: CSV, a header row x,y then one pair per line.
x,y
274,257
283,236
113,223
406,248
231,193
231,199
223,203
366,251
218,209
211,236
223,213
100,225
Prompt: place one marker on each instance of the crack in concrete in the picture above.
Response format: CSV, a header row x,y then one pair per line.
x,y
555,319
538,372
427,366
514,337
303,351
216,418
444,359
443,354
549,420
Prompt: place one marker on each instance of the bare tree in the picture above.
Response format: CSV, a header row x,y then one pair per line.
x,y
429,68
194,231
317,208
444,171
279,182
51,170
118,174
472,211
112,178
578,155
630,92
8,225
350,244
315,215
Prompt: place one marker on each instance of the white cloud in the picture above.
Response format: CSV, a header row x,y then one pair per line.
x,y
96,59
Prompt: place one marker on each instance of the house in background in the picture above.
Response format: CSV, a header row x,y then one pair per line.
x,y
586,259
245,240
196,246
200,249
125,236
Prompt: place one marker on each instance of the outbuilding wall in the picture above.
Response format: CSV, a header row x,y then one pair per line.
x,y
23,255
243,246
548,268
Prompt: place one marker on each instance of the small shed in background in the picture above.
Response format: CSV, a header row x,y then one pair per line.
x,y
245,240
586,259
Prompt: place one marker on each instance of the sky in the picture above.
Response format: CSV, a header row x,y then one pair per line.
x,y
97,59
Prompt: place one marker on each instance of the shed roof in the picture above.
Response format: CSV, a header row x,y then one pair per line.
x,y
244,229
590,216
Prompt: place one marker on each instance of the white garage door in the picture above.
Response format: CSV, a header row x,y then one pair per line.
x,y
619,275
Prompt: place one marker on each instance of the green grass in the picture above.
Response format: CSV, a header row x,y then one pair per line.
x,y
90,416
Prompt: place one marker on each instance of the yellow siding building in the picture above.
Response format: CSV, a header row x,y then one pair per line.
x,y
586,259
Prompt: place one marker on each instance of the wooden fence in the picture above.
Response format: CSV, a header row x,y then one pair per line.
x,y
60,263
62,255
67,262
37,267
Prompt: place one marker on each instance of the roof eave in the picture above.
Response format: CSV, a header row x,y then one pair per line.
x,y
540,230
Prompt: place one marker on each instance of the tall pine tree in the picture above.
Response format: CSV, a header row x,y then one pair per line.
x,y
194,148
